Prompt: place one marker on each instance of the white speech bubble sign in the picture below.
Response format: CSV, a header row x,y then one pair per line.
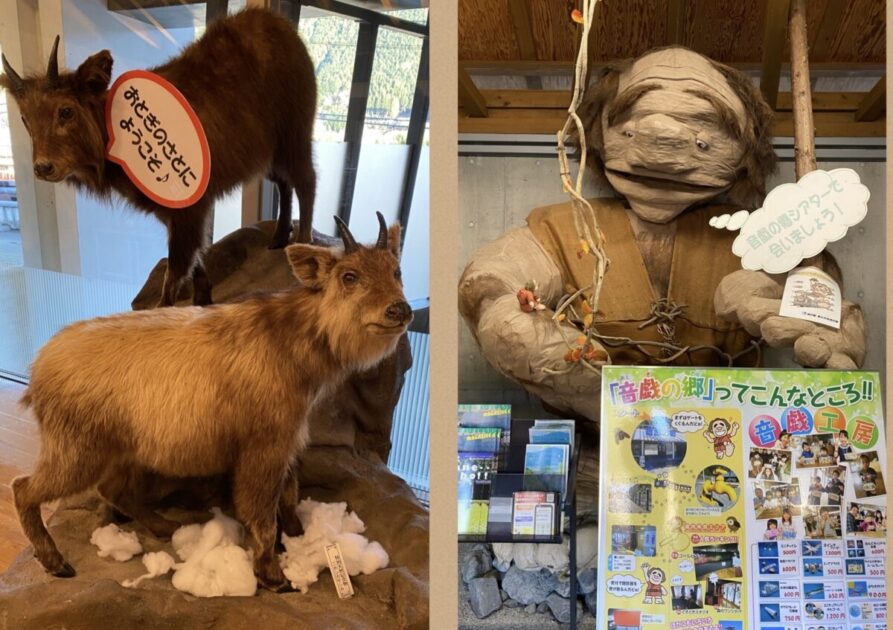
x,y
676,580
625,585
686,566
797,220
687,421
157,138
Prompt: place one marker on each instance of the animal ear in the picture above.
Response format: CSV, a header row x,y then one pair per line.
x,y
394,239
310,264
95,73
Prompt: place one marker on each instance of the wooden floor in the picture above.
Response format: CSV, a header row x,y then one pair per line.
x,y
19,445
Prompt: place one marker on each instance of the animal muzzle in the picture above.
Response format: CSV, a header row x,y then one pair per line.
x,y
44,169
399,312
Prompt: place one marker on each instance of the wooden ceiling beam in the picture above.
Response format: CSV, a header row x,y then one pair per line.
x,y
774,32
470,97
675,22
874,104
520,13
828,28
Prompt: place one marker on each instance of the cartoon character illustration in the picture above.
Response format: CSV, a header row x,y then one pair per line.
x,y
720,433
718,486
654,578
733,524
676,539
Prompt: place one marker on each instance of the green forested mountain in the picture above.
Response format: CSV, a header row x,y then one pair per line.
x,y
332,45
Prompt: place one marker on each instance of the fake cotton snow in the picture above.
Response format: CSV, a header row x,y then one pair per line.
x,y
156,563
326,523
113,541
213,563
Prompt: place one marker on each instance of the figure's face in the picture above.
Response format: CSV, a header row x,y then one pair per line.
x,y
719,428
671,136
655,576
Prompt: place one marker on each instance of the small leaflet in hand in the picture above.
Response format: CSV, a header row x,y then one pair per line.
x,y
813,295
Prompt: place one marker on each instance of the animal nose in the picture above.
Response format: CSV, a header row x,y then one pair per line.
x,y
43,169
399,311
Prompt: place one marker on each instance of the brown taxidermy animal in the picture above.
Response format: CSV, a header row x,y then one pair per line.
x,y
252,86
196,392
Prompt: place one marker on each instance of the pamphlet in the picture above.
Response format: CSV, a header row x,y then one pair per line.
x,y
737,499
545,467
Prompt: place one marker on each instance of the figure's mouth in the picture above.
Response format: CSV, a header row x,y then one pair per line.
x,y
666,181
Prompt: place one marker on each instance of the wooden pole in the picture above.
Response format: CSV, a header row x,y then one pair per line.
x,y
804,128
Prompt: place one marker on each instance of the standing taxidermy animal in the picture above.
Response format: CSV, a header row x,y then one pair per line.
x,y
192,391
252,86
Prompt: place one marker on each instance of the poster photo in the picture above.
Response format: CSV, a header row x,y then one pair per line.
x,y
766,500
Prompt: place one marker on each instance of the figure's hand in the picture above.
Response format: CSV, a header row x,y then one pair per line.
x,y
753,299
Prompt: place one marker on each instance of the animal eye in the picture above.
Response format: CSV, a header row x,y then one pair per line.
x,y
398,274
66,113
350,277
703,146
628,133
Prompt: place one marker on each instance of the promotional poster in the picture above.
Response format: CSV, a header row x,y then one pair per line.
x,y
737,498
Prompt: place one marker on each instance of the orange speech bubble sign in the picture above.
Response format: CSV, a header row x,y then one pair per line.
x,y
158,140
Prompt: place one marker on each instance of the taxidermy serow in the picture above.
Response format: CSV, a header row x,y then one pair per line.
x,y
252,86
196,392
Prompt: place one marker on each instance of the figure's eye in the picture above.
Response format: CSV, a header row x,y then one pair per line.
x,y
398,274
350,278
66,113
703,146
628,133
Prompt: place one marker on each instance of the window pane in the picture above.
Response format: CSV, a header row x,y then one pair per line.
x,y
392,87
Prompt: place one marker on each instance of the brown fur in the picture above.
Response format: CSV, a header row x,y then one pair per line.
x,y
193,392
759,157
252,85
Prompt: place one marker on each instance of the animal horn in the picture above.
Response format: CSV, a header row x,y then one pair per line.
x,y
53,64
382,232
18,85
350,245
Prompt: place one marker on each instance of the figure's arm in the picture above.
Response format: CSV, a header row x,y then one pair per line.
x,y
753,299
524,346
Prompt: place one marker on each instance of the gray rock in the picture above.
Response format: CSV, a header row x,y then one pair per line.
x,y
542,607
483,594
562,587
528,587
561,607
590,601
586,581
503,595
502,567
513,603
475,563
530,609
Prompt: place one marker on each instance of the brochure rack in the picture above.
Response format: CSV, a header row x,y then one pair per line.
x,y
512,477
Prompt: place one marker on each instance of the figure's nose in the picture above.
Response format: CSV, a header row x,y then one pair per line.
x,y
43,169
662,144
399,311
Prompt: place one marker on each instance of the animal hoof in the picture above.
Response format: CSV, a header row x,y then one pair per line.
x,y
164,532
283,586
65,571
202,300
279,242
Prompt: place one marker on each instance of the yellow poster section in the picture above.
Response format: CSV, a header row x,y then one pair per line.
x,y
675,511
